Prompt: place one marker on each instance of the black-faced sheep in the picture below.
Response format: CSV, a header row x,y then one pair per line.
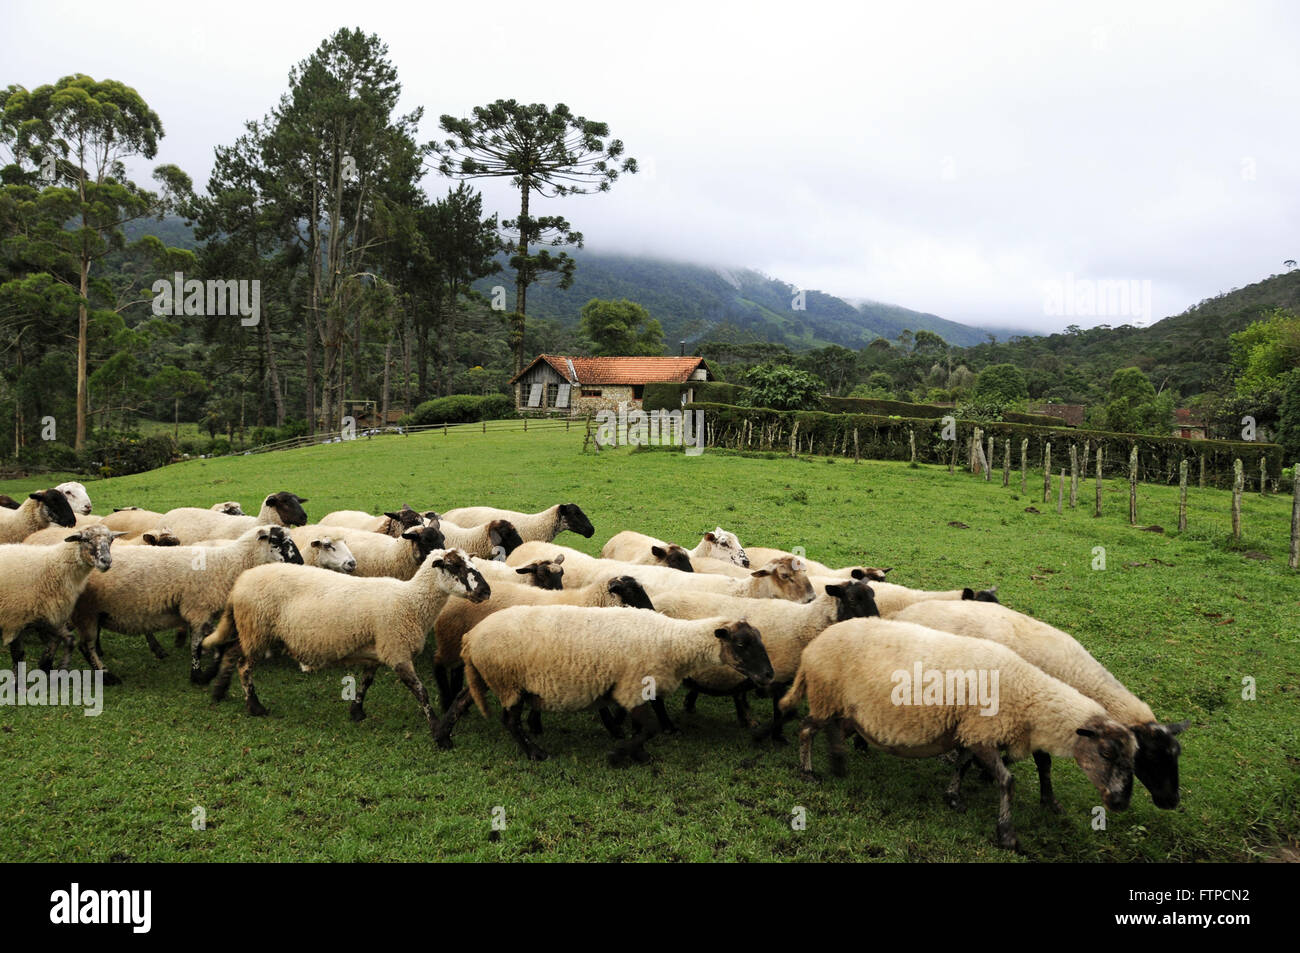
x,y
375,553
38,511
192,524
544,526
718,544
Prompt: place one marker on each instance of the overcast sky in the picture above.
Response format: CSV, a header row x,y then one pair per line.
x,y
964,159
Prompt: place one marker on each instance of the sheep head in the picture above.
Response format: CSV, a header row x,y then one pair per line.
x,y
719,544
743,650
1156,762
55,507
786,578
674,557
629,592
334,554
457,575
544,573
1105,750
289,508
853,600
575,521
504,537
94,543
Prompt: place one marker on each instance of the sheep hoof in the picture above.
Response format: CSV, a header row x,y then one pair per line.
x,y
780,740
356,712
537,754
443,742
956,803
196,677
111,679
617,759
641,756
838,766
1053,805
256,709
810,776
1008,841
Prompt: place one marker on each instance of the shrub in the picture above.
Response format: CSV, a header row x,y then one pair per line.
x,y
668,396
782,388
123,453
459,409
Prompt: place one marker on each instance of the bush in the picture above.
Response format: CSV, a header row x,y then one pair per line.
x,y
783,388
119,454
669,396
459,409
886,408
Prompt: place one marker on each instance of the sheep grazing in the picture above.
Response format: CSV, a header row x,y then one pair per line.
x,y
543,526
376,554
788,627
495,539
542,573
917,692
322,619
390,524
566,658
891,598
644,550
718,544
42,585
38,511
192,524
778,580
459,617
161,587
77,497
1061,656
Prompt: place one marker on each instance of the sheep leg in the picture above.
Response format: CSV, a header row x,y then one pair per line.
x,y
251,703
16,650
691,698
445,695
197,634
953,795
835,739
776,731
807,730
157,650
1046,797
613,725
647,723
406,672
182,638
989,759
442,737
661,713
747,721
227,667
358,712
513,725
90,649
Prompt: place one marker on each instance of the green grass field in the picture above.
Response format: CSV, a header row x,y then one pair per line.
x,y
1181,619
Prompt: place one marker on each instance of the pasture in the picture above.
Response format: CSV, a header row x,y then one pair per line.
x,y
1182,619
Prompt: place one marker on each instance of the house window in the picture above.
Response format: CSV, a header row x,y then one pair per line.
x,y
589,392
637,391
534,395
562,401
552,393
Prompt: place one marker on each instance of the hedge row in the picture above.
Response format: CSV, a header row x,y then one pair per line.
x,y
886,438
883,408
1038,420
459,409
667,396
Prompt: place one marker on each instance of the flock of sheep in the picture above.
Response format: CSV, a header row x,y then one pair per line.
x,y
547,628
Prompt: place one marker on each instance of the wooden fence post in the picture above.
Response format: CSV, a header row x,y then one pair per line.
x,y
1238,480
991,457
1263,476
1060,493
485,426
855,444
1133,486
525,423
1074,476
973,462
1006,465
1024,460
1182,496
1202,483
1097,511
1295,516
952,460
1087,446
793,436
983,461
1047,472
911,440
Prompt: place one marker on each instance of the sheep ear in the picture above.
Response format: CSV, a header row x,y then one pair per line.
x,y
658,552
761,572
411,534
710,537
558,559
1178,727
115,533
264,534
394,516
149,538
835,591
859,574
315,544
75,538
723,634
968,593
1086,732
300,499
524,570
35,496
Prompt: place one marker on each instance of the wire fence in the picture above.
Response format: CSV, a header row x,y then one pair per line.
x,y
520,425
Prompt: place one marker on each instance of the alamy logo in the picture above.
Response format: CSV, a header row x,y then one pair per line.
x,y
933,686
80,688
75,906
211,298
651,428
1085,297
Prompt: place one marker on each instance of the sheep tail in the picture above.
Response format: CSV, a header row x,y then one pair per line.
x,y
225,630
477,687
797,691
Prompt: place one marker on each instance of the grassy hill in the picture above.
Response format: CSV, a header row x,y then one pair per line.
x,y
1180,618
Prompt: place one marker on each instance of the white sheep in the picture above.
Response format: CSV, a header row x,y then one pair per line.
x,y
459,617
777,580
191,524
390,524
566,658
77,497
56,534
321,619
376,554
544,526
645,550
326,552
1061,656
38,511
153,588
918,692
490,540
632,547
42,584
786,626
132,520
542,573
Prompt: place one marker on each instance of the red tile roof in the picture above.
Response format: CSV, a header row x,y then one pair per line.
x,y
1186,416
620,370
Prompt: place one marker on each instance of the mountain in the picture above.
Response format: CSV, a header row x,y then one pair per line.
x,y
694,302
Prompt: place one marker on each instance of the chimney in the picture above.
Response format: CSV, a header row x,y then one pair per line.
x,y
682,348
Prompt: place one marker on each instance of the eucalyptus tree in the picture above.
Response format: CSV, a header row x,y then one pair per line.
x,y
544,151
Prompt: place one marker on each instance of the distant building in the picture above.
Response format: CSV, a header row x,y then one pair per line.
x,y
1072,414
1189,424
575,386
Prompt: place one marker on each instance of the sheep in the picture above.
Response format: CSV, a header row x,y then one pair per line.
x,y
636,548
323,619
639,548
77,497
787,628
565,658
542,573
56,534
38,511
161,587
326,552
1061,656
891,598
230,508
494,539
8,502
191,523
376,554
871,673
42,585
132,520
459,617
543,526
390,524
778,580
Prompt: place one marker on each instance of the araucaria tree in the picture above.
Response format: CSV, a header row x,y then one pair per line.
x,y
545,151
